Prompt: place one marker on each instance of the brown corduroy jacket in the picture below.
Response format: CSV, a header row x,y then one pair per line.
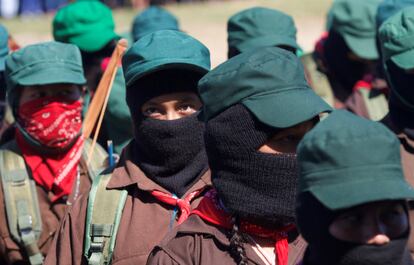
x,y
144,221
197,242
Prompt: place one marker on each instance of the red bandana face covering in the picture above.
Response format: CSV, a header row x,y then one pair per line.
x,y
55,124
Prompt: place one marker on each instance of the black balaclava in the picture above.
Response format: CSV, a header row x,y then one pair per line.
x,y
342,70
171,153
255,186
314,220
402,89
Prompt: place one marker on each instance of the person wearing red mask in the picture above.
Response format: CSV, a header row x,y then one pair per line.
x,y
43,168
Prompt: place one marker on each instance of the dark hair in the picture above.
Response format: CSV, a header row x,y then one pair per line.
x,y
237,250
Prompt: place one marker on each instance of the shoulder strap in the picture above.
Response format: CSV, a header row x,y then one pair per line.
x,y
318,80
98,161
22,205
375,102
102,220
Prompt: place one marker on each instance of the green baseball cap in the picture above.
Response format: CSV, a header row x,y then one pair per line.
x,y
355,21
388,8
397,39
270,82
261,27
164,49
346,161
87,24
4,46
152,19
42,64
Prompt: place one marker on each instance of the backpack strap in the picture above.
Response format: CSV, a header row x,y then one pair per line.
x,y
98,161
103,216
22,205
375,102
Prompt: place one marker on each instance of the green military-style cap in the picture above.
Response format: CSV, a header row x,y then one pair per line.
x,y
388,8
346,161
87,24
164,49
261,27
43,64
4,46
355,21
397,39
152,19
271,83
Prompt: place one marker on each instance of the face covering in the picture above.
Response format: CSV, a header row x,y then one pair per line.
x,y
171,152
47,123
254,186
341,69
50,122
324,249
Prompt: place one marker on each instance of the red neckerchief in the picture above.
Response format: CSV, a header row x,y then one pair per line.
x,y
182,204
210,210
55,124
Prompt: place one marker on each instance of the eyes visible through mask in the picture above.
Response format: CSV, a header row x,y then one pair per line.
x,y
287,140
171,106
373,224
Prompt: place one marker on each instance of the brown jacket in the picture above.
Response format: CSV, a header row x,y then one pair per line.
x,y
51,213
144,221
199,243
407,158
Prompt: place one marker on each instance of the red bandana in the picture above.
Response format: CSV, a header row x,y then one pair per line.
x,y
210,210
53,124
182,204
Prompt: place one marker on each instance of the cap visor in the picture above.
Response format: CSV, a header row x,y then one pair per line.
x,y
365,48
267,41
404,60
142,70
286,108
94,41
53,76
346,195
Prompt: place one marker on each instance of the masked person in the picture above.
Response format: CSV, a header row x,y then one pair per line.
x,y
395,35
345,60
352,204
44,167
163,173
257,107
90,26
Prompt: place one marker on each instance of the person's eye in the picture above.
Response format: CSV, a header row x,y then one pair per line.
x,y
187,108
289,138
351,218
392,215
151,112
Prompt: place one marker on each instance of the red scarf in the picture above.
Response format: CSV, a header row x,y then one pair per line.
x,y
210,210
183,204
55,124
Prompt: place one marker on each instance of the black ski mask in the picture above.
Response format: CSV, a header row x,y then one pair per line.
x,y
402,96
254,186
342,70
172,152
314,220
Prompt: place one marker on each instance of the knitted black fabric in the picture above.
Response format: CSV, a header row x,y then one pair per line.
x,y
171,152
252,185
314,219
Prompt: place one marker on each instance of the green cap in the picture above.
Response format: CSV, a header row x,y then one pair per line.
x,y
87,24
355,21
4,46
270,82
152,19
42,64
261,27
164,49
347,161
388,8
397,39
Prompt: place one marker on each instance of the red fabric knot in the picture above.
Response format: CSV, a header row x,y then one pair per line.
x,y
183,204
210,210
